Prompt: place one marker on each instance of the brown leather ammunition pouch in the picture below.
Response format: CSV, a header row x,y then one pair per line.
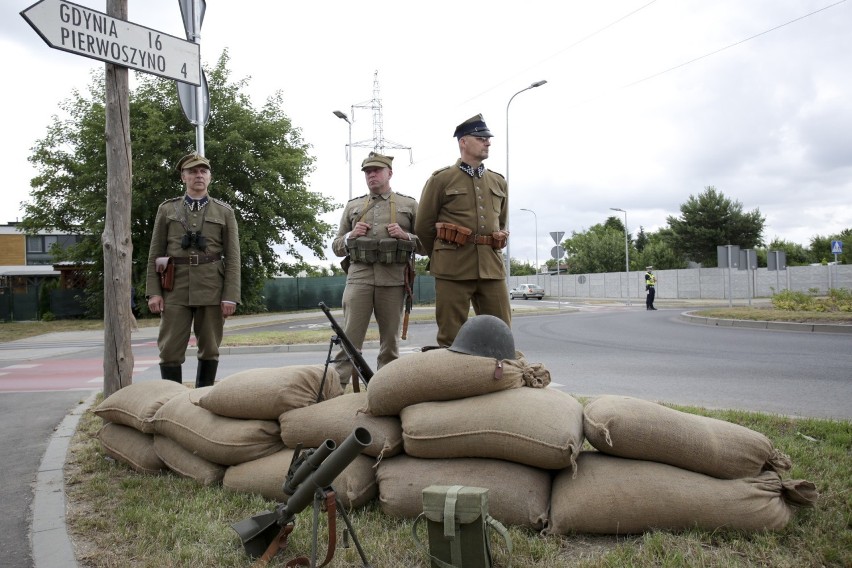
x,y
165,267
451,233
499,240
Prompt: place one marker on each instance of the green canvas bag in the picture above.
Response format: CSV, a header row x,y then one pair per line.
x,y
457,520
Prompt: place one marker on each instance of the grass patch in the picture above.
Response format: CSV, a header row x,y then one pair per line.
x,y
768,313
118,517
286,337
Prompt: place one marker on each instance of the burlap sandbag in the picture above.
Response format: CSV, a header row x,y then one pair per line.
x,y
187,464
440,374
267,393
135,404
611,495
226,441
640,429
518,494
336,419
536,427
355,486
132,447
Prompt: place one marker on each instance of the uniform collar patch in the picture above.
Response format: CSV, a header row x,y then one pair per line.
x,y
471,171
196,204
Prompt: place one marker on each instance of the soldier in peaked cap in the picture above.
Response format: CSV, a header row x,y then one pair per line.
x,y
376,237
199,233
461,223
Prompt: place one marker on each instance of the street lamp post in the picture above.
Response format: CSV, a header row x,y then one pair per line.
x,y
508,254
626,253
536,241
343,116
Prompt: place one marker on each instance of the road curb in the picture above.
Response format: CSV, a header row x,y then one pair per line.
x,y
768,325
49,541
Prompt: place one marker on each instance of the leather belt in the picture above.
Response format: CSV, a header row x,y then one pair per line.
x,y
196,259
480,239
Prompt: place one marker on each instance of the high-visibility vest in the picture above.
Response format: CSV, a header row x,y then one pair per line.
x,y
650,279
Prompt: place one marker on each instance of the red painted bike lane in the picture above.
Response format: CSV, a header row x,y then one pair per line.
x,y
60,374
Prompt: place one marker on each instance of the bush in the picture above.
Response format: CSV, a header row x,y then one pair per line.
x,y
838,300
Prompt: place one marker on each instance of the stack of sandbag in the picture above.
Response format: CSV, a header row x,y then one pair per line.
x,y
659,468
471,420
200,433
128,433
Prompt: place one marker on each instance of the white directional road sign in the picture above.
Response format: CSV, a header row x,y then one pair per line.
x,y
77,29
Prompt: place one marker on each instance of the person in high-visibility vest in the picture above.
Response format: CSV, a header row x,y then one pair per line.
x,y
650,287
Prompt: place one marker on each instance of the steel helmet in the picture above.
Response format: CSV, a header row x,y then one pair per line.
x,y
485,336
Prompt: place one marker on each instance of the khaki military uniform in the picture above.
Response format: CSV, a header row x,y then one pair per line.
x,y
469,274
201,284
374,287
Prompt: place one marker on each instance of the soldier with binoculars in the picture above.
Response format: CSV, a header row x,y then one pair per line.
x,y
199,235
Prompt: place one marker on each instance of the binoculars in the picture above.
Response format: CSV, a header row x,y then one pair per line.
x,y
195,240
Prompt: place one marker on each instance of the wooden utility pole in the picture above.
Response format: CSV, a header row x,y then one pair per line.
x,y
117,244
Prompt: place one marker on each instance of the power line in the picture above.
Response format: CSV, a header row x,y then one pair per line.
x,y
563,50
736,43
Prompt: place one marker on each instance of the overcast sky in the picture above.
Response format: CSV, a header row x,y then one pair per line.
x,y
646,103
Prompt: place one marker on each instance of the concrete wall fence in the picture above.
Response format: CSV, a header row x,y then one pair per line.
x,y
284,294
695,283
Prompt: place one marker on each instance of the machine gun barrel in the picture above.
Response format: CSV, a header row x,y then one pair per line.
x,y
354,355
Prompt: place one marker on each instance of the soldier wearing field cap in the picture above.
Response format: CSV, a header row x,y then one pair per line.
x,y
461,223
376,237
200,234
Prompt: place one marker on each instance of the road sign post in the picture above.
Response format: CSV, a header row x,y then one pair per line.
x,y
77,29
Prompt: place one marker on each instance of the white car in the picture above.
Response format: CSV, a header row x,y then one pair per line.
x,y
527,291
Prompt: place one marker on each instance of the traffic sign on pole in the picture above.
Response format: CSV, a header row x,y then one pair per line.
x,y
557,236
77,29
836,247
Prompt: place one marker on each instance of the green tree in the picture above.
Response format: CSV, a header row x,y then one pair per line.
x,y
710,220
260,167
599,249
641,239
796,254
820,247
656,252
522,269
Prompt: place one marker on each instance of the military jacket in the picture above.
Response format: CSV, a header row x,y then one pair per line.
x,y
378,216
203,284
479,204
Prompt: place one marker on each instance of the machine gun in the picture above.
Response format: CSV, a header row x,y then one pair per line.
x,y
308,480
365,373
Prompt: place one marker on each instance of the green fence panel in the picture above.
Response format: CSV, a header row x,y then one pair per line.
x,y
67,303
288,294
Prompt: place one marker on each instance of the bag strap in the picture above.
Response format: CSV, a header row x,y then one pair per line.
x,y
502,531
450,524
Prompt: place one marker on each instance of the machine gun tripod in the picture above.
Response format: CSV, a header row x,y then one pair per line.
x,y
308,481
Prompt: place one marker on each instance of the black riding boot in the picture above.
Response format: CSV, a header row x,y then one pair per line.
x,y
171,373
206,375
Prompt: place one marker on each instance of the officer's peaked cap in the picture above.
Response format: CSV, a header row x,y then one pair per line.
x,y
473,126
192,160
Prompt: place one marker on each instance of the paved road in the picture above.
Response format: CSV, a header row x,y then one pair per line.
x,y
589,350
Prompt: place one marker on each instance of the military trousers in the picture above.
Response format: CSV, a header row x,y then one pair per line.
x,y
453,299
207,322
360,303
